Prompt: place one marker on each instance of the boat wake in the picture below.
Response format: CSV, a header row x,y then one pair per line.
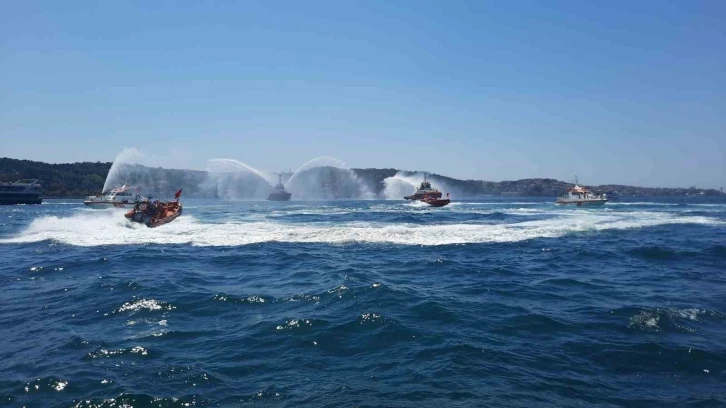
x,y
108,228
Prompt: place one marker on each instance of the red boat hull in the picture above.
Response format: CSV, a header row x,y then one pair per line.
x,y
170,214
437,202
420,196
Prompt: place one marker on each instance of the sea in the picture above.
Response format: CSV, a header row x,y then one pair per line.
x,y
493,302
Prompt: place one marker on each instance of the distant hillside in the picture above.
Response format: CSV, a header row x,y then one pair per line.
x,y
84,179
87,178
59,180
538,187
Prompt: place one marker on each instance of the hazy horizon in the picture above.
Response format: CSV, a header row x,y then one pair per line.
x,y
629,94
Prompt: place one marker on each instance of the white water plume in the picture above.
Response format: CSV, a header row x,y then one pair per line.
x,y
322,161
231,165
234,180
133,168
405,183
326,178
395,188
121,170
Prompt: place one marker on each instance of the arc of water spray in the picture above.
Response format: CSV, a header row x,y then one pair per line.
x,y
128,156
323,160
269,179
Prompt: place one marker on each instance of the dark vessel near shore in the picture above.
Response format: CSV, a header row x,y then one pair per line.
x,y
21,192
278,193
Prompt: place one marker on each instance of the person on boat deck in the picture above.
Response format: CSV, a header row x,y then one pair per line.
x,y
151,208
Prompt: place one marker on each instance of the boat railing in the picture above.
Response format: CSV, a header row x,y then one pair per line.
x,y
26,181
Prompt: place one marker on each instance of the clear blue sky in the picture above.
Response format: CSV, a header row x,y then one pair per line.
x,y
621,92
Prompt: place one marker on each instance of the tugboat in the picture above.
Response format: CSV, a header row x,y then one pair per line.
x,y
21,192
436,202
278,193
117,197
155,213
424,190
581,196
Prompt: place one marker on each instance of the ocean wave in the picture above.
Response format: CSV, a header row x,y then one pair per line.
x,y
105,353
655,357
140,400
61,203
144,304
46,384
642,203
507,203
83,229
655,253
672,319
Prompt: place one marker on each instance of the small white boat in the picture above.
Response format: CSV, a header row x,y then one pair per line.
x,y
118,197
581,196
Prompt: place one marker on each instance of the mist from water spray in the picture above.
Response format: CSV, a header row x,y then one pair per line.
x,y
397,187
323,177
403,183
322,161
122,168
133,168
234,180
231,165
326,177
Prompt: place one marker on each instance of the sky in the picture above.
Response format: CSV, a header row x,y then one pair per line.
x,y
616,92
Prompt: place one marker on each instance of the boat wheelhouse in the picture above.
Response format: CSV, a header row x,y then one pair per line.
x,y
117,197
581,196
424,190
278,192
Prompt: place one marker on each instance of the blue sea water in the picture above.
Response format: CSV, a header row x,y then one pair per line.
x,y
495,302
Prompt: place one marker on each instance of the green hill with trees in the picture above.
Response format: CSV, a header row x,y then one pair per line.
x,y
87,178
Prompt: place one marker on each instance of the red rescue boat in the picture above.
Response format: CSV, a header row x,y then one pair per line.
x,y
155,213
436,202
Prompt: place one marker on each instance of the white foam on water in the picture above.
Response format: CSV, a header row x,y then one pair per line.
x,y
641,203
111,228
60,385
506,203
139,304
416,204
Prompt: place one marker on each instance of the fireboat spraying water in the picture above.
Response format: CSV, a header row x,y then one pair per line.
x,y
425,190
117,197
278,192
